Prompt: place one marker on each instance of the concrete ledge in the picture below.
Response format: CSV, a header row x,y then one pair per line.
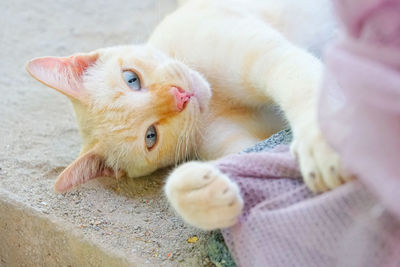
x,y
38,235
31,239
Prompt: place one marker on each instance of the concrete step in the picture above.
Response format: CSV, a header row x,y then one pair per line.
x,y
96,225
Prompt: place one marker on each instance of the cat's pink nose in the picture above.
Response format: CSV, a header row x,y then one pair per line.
x,y
181,97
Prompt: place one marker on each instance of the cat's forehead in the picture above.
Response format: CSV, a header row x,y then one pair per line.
x,y
132,53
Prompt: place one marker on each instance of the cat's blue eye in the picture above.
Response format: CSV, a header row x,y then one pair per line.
x,y
151,137
131,79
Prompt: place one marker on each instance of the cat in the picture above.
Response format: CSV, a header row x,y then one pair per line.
x,y
205,85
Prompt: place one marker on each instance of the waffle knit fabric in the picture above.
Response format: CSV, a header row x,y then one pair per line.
x,y
284,224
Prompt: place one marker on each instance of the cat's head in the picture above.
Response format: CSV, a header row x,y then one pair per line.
x,y
137,109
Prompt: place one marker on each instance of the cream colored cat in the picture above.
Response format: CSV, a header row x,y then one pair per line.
x,y
201,87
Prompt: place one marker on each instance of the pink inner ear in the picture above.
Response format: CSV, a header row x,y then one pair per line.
x,y
87,167
63,73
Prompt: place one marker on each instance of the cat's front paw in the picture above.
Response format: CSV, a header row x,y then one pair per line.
x,y
319,164
204,196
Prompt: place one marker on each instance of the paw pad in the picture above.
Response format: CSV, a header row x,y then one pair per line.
x,y
203,196
332,169
207,176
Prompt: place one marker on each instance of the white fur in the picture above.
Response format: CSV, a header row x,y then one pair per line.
x,y
254,55
203,196
271,39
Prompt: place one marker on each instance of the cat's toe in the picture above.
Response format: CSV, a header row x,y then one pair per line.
x,y
329,164
203,196
319,164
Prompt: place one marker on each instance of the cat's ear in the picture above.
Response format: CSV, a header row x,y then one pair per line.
x,y
88,166
64,74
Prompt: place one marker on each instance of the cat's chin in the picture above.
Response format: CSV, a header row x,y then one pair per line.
x,y
201,92
198,103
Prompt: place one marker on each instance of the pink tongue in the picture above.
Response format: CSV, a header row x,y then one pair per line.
x,y
181,97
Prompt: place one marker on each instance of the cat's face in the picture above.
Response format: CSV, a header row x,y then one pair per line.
x,y
137,109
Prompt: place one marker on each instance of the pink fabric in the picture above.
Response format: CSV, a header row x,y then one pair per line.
x,y
284,224
360,100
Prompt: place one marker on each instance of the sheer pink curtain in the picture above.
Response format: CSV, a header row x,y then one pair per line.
x,y
357,224
360,99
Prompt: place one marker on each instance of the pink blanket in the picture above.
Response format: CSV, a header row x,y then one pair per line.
x,y
284,224
357,224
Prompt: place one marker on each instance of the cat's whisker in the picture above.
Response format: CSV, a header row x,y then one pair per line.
x,y
182,151
193,137
176,152
188,139
179,151
183,147
181,138
195,131
186,147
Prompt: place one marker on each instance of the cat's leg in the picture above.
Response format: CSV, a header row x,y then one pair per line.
x,y
272,68
204,196
263,66
291,77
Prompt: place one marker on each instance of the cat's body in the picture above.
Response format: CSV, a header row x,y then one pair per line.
x,y
140,109
229,53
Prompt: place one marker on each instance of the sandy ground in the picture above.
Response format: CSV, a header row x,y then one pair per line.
x,y
39,137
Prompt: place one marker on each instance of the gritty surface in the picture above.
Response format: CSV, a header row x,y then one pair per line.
x,y
39,137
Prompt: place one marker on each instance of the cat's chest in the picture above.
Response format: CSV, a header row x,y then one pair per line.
x,y
228,129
